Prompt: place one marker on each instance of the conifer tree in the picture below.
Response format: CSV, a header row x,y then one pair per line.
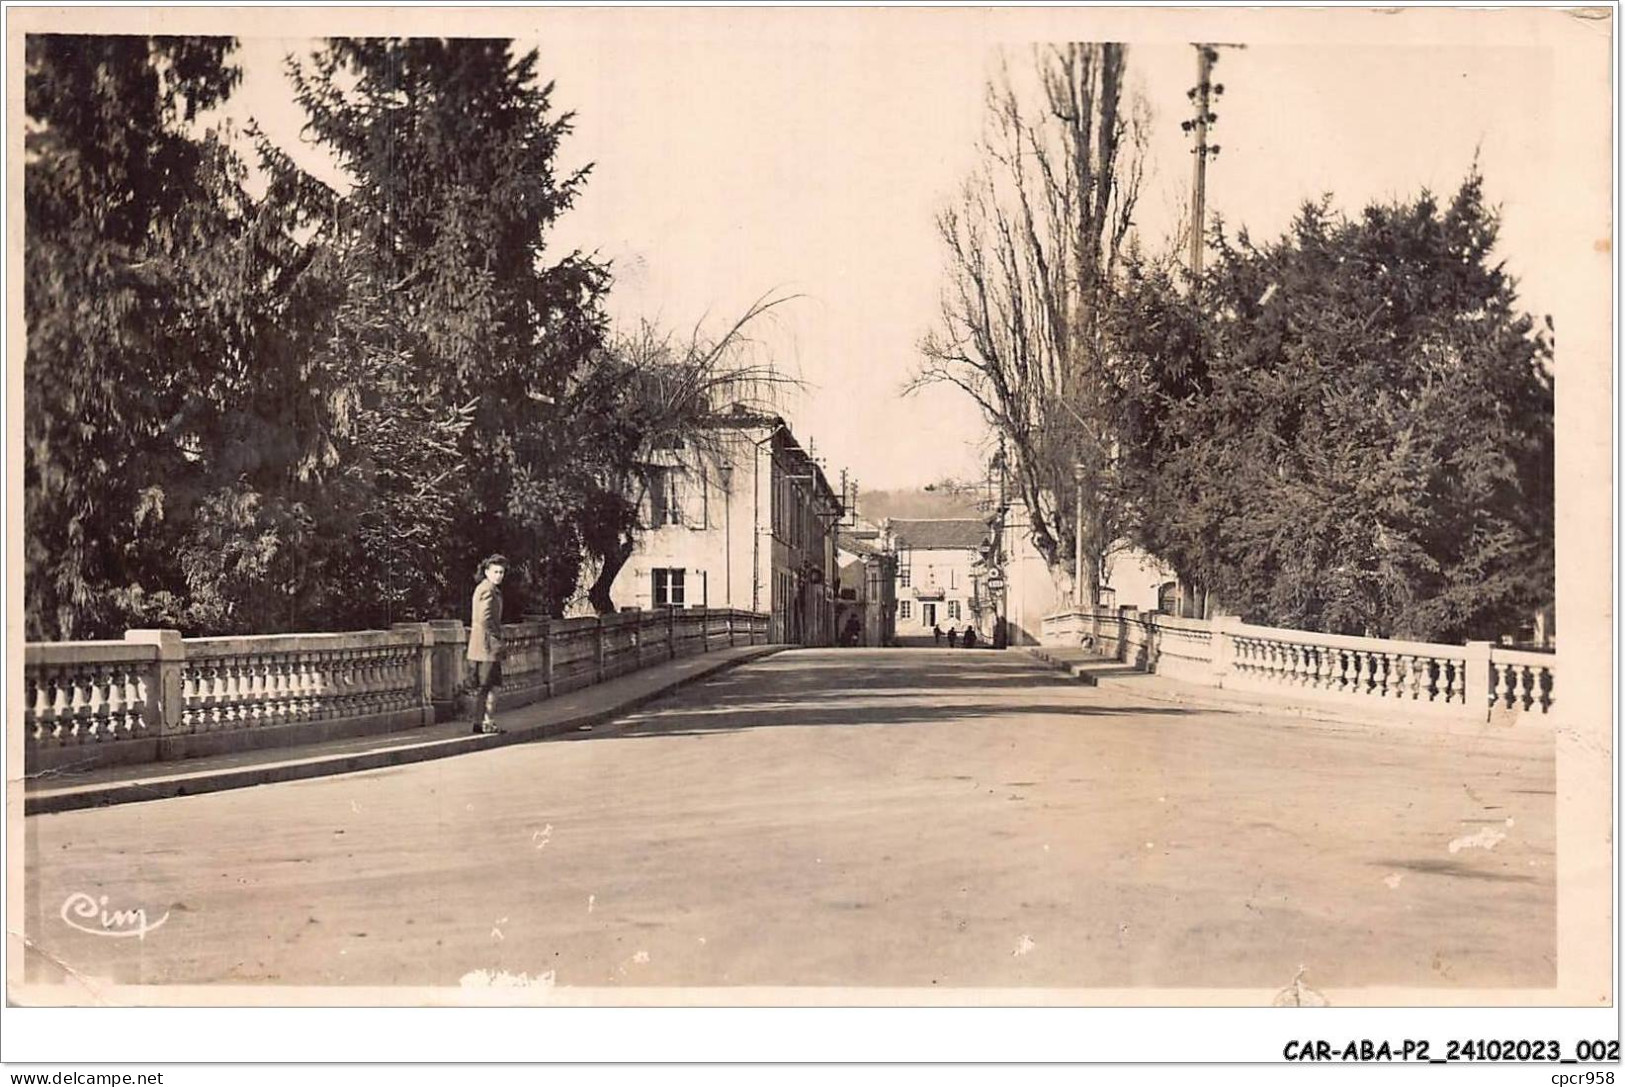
x,y
1350,429
457,337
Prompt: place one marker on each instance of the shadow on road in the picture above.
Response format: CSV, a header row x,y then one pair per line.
x,y
683,721
878,687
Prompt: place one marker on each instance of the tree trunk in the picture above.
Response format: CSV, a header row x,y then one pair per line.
x,y
614,560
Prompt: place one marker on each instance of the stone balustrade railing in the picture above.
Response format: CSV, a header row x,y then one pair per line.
x,y
158,696
1476,680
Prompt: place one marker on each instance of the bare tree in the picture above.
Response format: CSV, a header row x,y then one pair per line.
x,y
1033,244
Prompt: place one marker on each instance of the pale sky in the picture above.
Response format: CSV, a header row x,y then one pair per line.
x,y
745,152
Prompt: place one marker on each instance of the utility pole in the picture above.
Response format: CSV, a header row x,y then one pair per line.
x,y
1204,95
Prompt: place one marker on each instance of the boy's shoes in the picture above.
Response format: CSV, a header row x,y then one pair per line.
x,y
487,728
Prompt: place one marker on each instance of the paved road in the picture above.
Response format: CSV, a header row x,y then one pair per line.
x,y
858,817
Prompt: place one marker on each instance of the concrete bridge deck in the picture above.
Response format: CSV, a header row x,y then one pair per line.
x,y
949,820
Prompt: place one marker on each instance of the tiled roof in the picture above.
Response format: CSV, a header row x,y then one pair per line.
x,y
964,534
859,545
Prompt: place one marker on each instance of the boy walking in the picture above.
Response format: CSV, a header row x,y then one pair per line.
x,y
485,642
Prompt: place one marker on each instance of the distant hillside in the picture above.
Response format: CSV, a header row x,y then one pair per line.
x,y
943,501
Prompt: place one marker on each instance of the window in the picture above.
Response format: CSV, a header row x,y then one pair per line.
x,y
902,577
904,609
953,609
668,587
665,496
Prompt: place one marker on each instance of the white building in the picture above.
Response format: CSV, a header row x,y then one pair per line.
x,y
750,523
934,567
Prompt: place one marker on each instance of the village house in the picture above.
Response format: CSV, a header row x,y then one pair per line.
x,y
866,607
746,521
934,565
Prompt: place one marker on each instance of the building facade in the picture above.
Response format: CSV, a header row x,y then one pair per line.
x,y
1017,587
747,520
866,606
935,563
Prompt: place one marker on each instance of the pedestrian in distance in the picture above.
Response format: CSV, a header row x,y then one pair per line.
x,y
485,642
953,636
936,634
970,637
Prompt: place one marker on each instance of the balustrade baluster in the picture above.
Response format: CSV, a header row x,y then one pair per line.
x,y
59,700
305,687
1522,687
399,677
378,681
362,688
1500,690
262,670
218,695
1403,664
1359,671
197,682
56,705
189,699
237,691
342,680
34,707
78,708
115,725
94,718
321,686
226,691
246,696
277,695
291,706
138,680
250,691
367,674
1455,685
285,688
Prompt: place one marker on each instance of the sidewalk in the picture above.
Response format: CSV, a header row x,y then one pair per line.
x,y
1126,680
573,712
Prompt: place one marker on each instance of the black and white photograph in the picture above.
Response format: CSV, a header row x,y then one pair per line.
x,y
815,508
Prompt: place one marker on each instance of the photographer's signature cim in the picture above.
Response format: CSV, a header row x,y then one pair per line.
x,y
90,914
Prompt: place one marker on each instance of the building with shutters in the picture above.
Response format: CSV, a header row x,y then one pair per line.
x,y
935,562
749,521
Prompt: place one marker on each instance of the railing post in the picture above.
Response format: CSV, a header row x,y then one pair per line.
x,y
165,703
1476,682
671,632
447,655
705,630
